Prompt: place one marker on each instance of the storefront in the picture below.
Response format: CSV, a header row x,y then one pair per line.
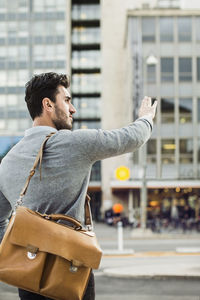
x,y
161,197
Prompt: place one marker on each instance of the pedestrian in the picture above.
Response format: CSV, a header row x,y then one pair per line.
x,y
174,214
68,155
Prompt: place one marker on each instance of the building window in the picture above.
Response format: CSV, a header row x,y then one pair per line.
x,y
185,110
168,151
148,29
151,73
198,150
198,68
184,29
185,69
86,125
167,69
85,12
83,35
2,5
197,23
151,151
86,83
167,110
12,124
198,110
186,151
166,29
96,172
86,59
3,78
87,107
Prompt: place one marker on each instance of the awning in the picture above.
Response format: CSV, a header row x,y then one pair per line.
x,y
94,186
154,184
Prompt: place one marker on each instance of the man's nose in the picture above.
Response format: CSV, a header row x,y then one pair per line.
x,y
72,109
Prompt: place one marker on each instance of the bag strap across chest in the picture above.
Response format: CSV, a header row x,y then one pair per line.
x,y
38,160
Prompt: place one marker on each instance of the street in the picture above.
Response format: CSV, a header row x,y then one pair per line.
x,y
148,289
108,288
107,237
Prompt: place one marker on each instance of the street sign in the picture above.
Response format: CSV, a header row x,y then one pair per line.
x,y
122,173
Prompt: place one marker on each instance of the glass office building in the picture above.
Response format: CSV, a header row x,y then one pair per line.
x,y
32,40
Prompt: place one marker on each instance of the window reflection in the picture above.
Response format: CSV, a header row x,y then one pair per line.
x,y
199,151
198,68
86,83
198,110
2,5
166,29
87,107
49,28
85,59
151,151
83,35
185,69
186,150
148,29
197,23
167,69
86,125
168,151
96,172
167,110
151,73
184,29
185,110
85,12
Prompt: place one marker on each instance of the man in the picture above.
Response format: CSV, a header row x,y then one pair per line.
x,y
68,156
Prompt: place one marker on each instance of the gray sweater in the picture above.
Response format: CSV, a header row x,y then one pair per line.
x,y
66,166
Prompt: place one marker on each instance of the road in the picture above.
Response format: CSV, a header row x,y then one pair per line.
x,y
107,237
108,288
148,289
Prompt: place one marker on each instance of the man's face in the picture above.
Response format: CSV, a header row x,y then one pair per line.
x,y
63,109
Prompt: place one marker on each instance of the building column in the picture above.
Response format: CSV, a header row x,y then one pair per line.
x,y
130,207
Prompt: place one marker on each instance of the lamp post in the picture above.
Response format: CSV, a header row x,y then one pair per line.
x,y
150,61
143,197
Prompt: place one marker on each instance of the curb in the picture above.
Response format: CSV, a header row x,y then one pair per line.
x,y
150,254
109,273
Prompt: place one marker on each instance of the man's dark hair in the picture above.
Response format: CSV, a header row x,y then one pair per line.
x,y
41,86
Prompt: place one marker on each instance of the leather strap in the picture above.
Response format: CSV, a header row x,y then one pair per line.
x,y
88,215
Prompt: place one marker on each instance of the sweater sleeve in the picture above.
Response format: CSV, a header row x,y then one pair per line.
x,y
101,144
5,211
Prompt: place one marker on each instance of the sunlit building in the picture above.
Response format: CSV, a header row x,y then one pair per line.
x,y
156,54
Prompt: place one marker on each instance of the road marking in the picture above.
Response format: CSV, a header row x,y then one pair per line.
x,y
152,254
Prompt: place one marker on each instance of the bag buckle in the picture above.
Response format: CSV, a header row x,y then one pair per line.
x,y
32,252
72,268
31,255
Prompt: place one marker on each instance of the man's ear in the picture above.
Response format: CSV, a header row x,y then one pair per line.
x,y
47,104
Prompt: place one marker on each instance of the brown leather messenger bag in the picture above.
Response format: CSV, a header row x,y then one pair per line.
x,y
43,256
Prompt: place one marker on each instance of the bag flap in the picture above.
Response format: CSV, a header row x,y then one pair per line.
x,y
77,246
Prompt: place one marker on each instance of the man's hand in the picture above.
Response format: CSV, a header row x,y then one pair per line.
x,y
147,108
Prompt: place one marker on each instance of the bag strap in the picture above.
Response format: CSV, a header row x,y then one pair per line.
x,y
38,160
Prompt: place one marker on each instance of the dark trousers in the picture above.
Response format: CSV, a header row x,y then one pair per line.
x,y
89,294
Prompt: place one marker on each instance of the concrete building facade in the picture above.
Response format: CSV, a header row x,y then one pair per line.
x,y
154,51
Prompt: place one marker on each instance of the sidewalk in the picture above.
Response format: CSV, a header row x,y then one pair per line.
x,y
151,265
